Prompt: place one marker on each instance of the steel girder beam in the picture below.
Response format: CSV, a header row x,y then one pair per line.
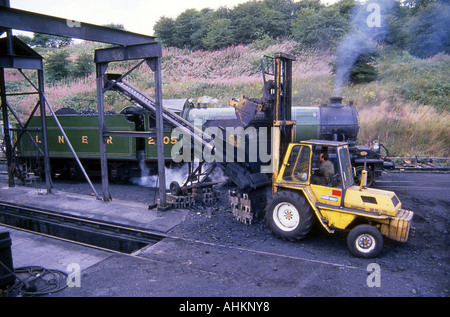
x,y
33,22
116,54
16,54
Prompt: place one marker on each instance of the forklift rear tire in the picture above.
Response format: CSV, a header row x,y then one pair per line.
x,y
289,216
365,241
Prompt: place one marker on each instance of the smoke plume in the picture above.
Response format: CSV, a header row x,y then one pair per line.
x,y
368,24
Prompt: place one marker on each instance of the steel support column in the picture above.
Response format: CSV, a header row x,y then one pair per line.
x,y
47,173
101,69
155,65
6,136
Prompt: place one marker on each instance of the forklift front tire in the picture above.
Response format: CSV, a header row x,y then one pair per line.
x,y
289,216
365,241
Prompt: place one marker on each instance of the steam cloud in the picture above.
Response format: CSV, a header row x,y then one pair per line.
x,y
172,174
428,31
148,180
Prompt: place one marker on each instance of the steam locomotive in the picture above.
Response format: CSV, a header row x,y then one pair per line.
x,y
127,155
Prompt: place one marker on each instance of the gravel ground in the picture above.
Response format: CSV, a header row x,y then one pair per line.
x,y
419,267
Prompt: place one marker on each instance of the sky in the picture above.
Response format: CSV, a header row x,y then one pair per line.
x,y
138,16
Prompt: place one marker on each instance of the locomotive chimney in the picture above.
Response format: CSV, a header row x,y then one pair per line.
x,y
336,101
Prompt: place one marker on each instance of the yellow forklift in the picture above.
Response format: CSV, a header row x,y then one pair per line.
x,y
295,200
338,204
368,213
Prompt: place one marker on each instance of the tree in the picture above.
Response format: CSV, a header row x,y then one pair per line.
x,y
116,26
307,20
287,8
345,7
421,27
253,19
430,31
320,28
202,26
165,31
57,66
275,24
25,38
220,35
364,71
45,40
84,65
187,23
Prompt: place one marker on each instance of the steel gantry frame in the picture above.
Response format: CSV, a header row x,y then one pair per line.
x,y
150,53
130,46
16,54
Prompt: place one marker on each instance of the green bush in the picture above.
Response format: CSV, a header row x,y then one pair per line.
x,y
424,81
363,70
80,101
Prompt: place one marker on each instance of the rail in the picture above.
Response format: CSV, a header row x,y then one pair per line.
x,y
101,234
417,162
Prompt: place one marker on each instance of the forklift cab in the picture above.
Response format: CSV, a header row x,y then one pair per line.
x,y
303,160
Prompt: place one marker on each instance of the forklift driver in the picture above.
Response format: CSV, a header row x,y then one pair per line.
x,y
326,171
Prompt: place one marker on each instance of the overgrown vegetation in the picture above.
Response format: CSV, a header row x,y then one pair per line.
x,y
402,96
422,27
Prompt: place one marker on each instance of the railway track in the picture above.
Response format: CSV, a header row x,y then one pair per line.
x,y
77,229
109,236
402,164
398,185
416,181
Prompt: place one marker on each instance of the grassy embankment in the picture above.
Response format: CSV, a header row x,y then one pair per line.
x,y
407,108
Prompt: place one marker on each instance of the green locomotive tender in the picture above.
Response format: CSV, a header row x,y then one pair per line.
x,y
125,153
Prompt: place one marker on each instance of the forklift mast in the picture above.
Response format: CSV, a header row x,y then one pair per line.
x,y
278,94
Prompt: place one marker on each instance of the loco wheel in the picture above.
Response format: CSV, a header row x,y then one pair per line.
x,y
289,216
175,188
365,241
